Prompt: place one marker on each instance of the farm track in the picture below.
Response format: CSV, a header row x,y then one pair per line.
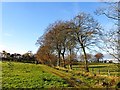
x,y
72,82
70,79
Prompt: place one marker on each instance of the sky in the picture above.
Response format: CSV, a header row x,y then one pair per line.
x,y
24,22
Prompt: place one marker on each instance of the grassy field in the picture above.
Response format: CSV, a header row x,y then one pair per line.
x,y
101,68
24,75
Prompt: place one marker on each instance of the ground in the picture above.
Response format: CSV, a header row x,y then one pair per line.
x,y
26,75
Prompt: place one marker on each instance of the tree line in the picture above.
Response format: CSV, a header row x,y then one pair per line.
x,y
62,40
66,38
28,57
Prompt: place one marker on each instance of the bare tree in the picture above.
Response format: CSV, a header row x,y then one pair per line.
x,y
112,11
111,39
64,36
45,56
56,37
86,32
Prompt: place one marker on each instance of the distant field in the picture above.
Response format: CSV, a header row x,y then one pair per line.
x,y
101,68
25,75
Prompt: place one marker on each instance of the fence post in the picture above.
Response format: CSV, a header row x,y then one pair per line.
x,y
99,71
92,70
108,73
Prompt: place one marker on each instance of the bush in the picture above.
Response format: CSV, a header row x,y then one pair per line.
x,y
110,61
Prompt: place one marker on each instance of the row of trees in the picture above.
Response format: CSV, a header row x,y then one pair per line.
x,y
68,37
28,57
93,58
31,58
83,32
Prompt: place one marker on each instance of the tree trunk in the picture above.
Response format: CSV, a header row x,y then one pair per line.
x,y
85,58
98,60
118,48
85,55
63,59
50,60
70,59
58,62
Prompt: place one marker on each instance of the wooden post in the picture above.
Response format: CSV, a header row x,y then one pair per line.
x,y
99,71
108,73
92,70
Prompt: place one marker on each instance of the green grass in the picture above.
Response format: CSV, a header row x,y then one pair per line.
x,y
24,75
101,68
